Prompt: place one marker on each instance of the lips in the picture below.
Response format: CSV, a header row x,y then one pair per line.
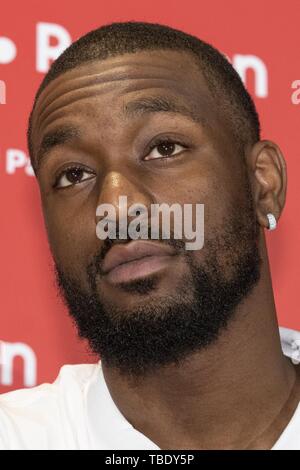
x,y
135,260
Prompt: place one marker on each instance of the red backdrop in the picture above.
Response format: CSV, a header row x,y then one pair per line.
x,y
261,40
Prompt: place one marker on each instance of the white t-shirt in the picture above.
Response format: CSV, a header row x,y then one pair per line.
x,y
77,411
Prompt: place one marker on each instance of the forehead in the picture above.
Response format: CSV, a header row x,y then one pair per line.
x,y
108,88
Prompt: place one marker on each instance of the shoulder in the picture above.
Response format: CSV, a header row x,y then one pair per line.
x,y
290,343
42,414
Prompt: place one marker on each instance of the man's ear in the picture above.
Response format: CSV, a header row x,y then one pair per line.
x,y
269,180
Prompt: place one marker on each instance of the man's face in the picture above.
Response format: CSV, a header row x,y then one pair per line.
x,y
144,315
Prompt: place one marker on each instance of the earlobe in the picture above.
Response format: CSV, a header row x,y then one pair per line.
x,y
269,181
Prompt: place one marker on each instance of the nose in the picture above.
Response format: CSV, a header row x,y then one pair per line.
x,y
118,193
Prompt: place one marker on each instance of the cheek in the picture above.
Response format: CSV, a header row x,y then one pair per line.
x,y
213,193
72,237
226,196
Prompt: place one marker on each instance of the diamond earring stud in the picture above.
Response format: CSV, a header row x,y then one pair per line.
x,y
272,222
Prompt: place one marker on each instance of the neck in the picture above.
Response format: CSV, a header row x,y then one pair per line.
x,y
224,397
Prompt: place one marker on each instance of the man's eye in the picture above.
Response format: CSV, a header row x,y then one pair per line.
x,y
72,176
164,149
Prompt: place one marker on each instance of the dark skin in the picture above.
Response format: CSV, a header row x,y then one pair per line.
x,y
239,392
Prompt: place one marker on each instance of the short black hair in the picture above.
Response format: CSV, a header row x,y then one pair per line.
x,y
115,39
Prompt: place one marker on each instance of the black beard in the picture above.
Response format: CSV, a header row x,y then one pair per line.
x,y
165,330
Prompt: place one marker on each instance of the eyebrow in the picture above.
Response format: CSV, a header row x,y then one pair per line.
x,y
54,138
158,104
141,106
